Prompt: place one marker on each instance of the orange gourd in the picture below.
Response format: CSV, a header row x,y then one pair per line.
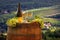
x,y
20,19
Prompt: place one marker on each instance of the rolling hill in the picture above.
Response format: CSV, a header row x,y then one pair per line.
x,y
41,12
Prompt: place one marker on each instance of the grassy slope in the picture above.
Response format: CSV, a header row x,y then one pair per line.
x,y
42,12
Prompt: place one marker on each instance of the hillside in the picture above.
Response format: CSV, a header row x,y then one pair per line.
x,y
41,12
57,16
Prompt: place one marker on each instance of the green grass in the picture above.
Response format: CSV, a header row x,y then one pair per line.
x,y
41,12
54,21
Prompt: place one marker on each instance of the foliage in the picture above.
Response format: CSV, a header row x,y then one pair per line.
x,y
52,29
48,35
40,20
12,22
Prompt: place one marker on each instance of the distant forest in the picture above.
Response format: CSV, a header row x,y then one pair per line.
x,y
11,5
